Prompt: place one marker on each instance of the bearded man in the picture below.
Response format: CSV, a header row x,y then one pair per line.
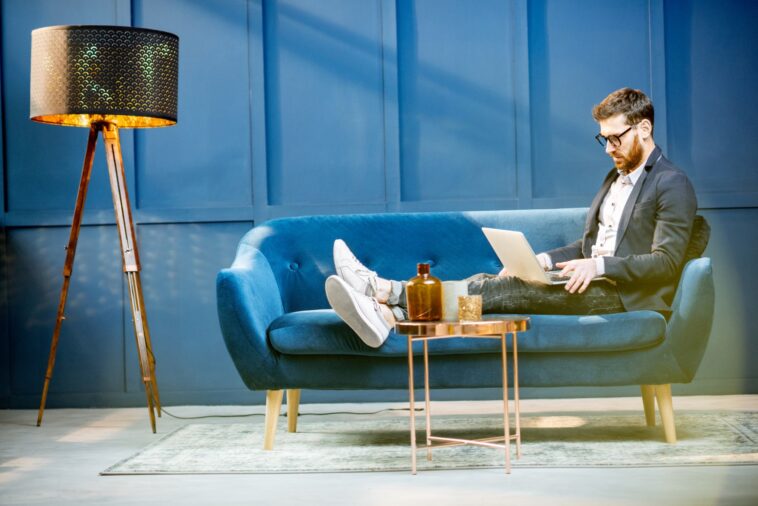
x,y
635,237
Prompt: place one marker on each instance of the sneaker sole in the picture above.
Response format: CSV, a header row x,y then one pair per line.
x,y
338,294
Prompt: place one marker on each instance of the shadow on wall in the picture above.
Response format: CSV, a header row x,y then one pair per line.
x,y
483,114
731,351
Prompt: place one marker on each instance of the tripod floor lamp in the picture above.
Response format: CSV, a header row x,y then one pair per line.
x,y
106,78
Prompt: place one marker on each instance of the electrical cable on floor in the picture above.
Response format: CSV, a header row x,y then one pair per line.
x,y
163,410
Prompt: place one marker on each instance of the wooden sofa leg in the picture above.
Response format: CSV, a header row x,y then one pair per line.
x,y
648,402
273,407
293,405
666,408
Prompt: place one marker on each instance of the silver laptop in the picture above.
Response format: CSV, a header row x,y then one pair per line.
x,y
518,257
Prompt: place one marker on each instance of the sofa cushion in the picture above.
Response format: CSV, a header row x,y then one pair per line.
x,y
322,332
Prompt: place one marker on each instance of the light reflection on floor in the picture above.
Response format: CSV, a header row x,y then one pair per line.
x,y
553,422
11,470
100,429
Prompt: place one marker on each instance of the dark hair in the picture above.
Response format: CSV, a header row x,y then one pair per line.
x,y
634,104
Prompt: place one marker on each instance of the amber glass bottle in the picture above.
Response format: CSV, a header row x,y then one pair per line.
x,y
424,294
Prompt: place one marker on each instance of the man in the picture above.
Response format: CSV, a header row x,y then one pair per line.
x,y
636,234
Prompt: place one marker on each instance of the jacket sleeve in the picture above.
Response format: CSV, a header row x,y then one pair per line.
x,y
568,252
574,251
672,214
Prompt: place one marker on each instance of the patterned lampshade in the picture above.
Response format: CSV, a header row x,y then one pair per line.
x,y
86,74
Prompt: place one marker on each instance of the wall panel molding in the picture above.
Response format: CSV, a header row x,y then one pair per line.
x,y
5,343
576,57
257,108
522,101
347,107
324,102
392,174
657,48
15,219
42,162
5,335
711,49
203,160
455,89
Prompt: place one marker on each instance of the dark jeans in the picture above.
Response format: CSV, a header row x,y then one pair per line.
x,y
509,294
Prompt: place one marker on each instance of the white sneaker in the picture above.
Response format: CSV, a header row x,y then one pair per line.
x,y
352,271
362,313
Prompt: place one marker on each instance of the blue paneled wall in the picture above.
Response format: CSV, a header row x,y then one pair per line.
x,y
296,107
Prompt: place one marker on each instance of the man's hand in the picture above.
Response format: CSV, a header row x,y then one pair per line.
x,y
542,258
581,271
545,262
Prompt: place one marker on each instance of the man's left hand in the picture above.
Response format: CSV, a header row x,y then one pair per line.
x,y
581,271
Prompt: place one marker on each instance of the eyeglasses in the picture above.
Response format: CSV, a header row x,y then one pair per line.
x,y
615,140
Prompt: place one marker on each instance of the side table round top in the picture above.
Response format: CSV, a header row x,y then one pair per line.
x,y
490,326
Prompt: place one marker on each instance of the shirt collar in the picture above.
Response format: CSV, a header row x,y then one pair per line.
x,y
632,177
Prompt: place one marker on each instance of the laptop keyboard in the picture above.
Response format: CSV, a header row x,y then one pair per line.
x,y
556,276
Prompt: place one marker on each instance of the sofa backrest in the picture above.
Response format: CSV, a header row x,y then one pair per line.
x,y
299,249
701,233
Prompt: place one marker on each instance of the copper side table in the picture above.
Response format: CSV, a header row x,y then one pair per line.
x,y
491,328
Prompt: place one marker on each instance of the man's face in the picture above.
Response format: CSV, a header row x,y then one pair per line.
x,y
627,156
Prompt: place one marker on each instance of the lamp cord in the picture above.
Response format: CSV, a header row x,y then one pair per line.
x,y
245,415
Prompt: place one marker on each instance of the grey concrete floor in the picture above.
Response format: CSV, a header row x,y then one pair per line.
x,y
59,463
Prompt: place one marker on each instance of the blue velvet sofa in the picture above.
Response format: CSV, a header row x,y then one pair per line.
x,y
282,335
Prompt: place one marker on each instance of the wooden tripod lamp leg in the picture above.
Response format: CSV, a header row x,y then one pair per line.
x,y
148,343
68,267
130,256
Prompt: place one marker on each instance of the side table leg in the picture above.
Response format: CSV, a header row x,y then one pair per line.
x,y
506,413
516,395
426,396
412,405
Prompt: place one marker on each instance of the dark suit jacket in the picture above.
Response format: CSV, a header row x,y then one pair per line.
x,y
652,236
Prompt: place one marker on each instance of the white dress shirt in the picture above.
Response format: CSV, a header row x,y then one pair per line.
x,y
610,216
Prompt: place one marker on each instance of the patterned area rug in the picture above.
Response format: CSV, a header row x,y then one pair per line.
x,y
383,444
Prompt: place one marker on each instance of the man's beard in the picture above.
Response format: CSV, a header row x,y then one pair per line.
x,y
630,161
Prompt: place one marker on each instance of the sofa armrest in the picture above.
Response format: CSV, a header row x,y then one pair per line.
x,y
692,315
248,300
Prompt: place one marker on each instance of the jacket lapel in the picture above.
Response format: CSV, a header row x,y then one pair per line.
x,y
591,223
654,157
628,208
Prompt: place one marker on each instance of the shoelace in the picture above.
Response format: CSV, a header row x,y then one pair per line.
x,y
371,277
364,273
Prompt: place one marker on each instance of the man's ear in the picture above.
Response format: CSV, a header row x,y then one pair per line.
x,y
645,128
